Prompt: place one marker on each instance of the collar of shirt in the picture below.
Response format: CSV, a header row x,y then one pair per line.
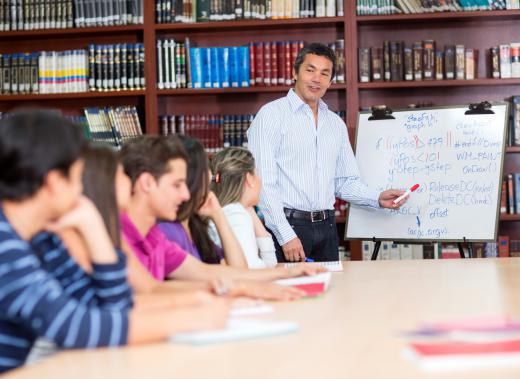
x,y
297,103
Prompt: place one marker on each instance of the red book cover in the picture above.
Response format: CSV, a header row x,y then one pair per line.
x,y
503,246
295,47
274,63
466,348
510,195
267,63
252,65
311,289
288,67
280,54
503,197
259,63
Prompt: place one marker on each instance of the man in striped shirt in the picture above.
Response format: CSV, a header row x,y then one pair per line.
x,y
305,160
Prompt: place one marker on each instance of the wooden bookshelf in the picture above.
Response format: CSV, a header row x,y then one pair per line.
x,y
74,95
479,30
251,24
67,32
509,217
513,149
440,17
439,83
235,90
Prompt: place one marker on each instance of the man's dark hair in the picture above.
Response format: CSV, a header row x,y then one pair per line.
x,y
316,49
33,143
150,154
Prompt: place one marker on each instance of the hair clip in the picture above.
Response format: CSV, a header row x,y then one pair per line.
x,y
216,178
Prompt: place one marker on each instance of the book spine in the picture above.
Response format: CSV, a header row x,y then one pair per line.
x,y
340,60
428,59
439,65
460,68
386,60
449,62
408,63
364,64
470,64
495,62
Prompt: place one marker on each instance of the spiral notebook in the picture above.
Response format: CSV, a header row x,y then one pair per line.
x,y
333,266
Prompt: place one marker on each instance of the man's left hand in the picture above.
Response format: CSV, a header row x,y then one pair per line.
x,y
386,199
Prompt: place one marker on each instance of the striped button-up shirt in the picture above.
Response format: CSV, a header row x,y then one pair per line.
x,y
303,166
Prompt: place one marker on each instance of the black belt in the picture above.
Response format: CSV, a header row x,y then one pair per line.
x,y
315,216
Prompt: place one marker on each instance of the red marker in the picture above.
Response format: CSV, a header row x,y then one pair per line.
x,y
408,191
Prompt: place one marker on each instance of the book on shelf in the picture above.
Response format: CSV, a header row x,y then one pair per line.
x,y
383,7
423,60
112,125
190,11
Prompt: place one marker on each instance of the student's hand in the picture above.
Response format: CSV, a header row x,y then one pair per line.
x,y
78,217
293,250
305,269
267,291
386,199
211,207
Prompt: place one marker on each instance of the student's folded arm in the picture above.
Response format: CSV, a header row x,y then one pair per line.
x,y
263,140
31,297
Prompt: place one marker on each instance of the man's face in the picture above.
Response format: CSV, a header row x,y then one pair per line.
x,y
170,190
313,78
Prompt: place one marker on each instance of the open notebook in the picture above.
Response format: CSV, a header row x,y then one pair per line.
x,y
334,266
312,285
237,329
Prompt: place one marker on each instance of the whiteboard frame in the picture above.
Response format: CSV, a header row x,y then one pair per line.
x,y
420,240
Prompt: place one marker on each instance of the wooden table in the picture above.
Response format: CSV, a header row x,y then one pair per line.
x,y
351,332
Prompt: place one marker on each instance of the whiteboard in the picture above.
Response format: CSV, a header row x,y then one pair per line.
x,y
456,159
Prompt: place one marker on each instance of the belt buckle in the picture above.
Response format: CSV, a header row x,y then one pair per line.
x,y
318,213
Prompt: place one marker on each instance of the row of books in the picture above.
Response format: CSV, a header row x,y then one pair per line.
x,y
187,11
116,67
373,7
510,194
101,68
258,64
111,125
60,14
215,132
397,62
389,250
505,61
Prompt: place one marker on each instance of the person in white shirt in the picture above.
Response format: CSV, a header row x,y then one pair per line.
x,y
237,187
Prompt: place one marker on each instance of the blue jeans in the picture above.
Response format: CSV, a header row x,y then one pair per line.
x,y
319,239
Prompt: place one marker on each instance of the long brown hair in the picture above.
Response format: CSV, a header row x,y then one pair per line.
x,y
99,185
198,185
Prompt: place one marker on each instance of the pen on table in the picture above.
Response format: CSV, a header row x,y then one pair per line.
x,y
309,260
408,192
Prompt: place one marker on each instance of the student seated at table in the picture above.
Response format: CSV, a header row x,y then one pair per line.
x,y
43,292
190,231
157,168
237,187
107,185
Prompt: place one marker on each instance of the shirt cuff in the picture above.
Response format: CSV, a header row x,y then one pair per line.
x,y
373,199
284,233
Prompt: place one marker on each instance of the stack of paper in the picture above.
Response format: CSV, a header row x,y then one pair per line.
x,y
333,266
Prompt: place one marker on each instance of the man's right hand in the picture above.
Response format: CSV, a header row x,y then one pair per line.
x,y
293,250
